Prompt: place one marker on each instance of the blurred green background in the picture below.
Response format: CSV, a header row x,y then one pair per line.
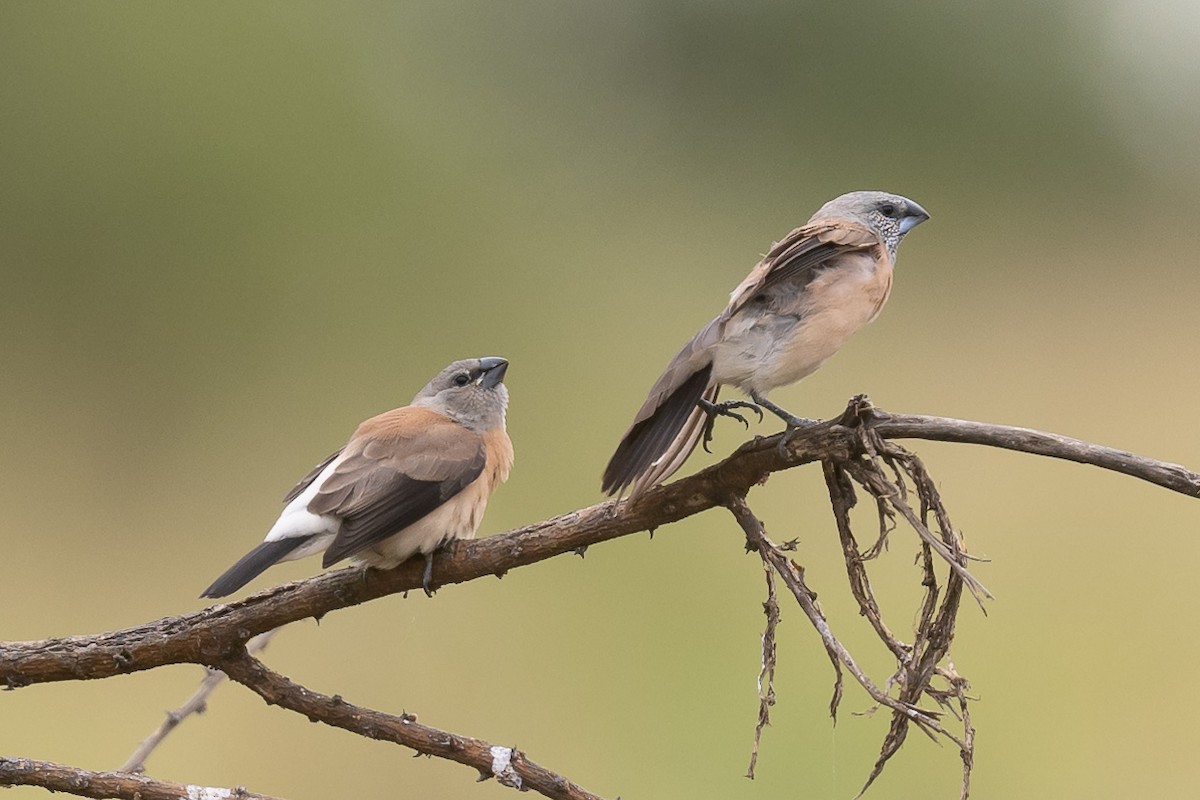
x,y
229,231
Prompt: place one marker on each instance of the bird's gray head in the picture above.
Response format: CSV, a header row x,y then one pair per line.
x,y
471,392
890,215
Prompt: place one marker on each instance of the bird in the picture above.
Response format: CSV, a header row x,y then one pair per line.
x,y
408,481
796,308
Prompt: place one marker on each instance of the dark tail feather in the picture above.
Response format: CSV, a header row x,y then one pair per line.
x,y
653,448
252,565
679,450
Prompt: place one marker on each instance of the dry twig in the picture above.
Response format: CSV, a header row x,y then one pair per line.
x,y
793,577
920,662
885,470
766,675
195,705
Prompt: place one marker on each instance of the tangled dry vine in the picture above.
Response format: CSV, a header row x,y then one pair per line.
x,y
856,449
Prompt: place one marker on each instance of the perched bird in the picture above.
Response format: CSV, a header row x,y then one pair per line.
x,y
795,309
408,481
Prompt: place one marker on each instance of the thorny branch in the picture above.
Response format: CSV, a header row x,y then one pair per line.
x,y
507,765
126,785
194,637
853,449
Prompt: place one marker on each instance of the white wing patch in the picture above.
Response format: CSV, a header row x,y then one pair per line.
x,y
297,520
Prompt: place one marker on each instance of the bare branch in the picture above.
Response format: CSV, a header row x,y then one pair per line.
x,y
203,635
126,785
506,764
1026,440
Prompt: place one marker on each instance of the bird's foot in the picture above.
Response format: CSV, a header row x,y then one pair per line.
x,y
791,430
724,409
793,423
427,576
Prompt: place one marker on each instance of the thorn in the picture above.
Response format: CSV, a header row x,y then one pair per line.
x,y
651,532
580,551
500,575
790,544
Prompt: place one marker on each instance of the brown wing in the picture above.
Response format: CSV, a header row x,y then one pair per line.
x,y
399,467
668,426
797,256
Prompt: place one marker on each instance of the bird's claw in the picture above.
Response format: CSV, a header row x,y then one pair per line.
x,y
792,422
725,409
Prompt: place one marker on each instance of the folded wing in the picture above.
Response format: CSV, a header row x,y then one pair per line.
x,y
399,467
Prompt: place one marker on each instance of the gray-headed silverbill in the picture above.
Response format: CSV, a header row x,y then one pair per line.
x,y
795,309
408,481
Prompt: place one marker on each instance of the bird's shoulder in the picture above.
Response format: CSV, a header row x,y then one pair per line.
x,y
413,441
798,254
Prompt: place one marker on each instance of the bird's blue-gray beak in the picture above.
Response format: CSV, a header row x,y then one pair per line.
x,y
493,368
915,216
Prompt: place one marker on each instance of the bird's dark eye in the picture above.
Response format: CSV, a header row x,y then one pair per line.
x,y
462,379
888,209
